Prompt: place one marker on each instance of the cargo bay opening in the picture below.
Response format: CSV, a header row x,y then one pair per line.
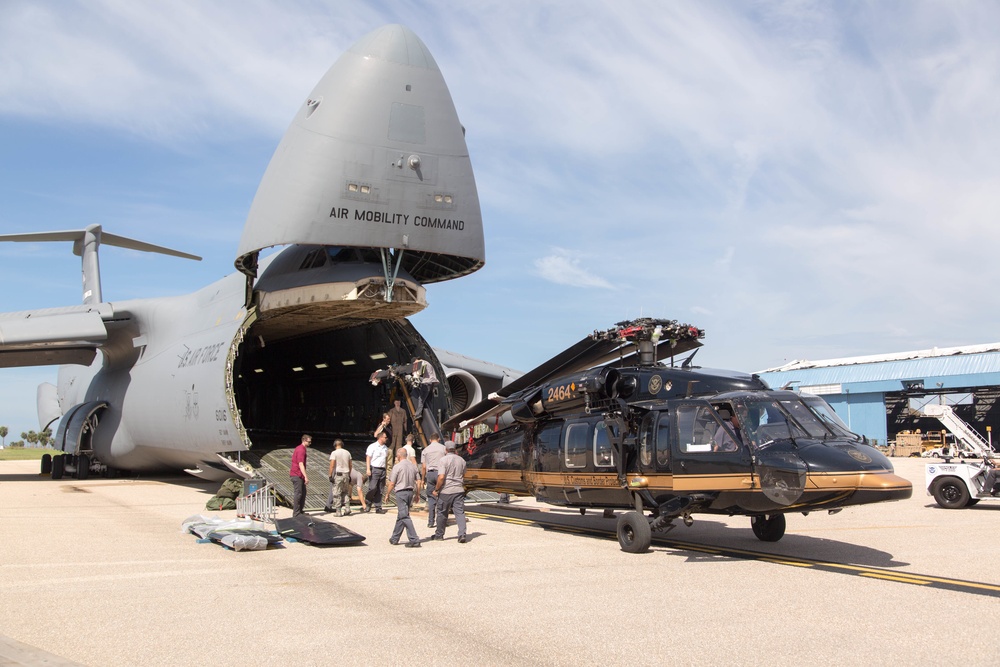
x,y
318,383
324,319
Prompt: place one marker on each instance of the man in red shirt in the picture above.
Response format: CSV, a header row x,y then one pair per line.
x,y
300,479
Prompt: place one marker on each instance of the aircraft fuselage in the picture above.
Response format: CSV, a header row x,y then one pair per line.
x,y
678,454
182,379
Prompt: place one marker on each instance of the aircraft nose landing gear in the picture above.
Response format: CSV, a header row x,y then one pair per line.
x,y
768,528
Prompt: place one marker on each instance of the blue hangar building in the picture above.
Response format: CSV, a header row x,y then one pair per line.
x,y
881,395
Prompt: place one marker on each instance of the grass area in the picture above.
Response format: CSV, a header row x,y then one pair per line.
x,y
24,453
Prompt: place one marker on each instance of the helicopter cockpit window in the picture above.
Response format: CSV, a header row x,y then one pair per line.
x,y
729,435
766,422
696,427
827,415
575,444
646,440
805,418
604,457
663,441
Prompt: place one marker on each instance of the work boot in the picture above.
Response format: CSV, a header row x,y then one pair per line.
x,y
412,545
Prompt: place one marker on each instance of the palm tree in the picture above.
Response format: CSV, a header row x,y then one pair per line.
x,y
3,436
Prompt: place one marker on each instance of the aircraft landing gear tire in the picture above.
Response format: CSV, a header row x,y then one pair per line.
x,y
58,466
634,533
768,529
46,464
82,466
950,493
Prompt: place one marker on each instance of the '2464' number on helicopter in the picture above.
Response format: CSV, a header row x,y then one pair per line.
x,y
561,393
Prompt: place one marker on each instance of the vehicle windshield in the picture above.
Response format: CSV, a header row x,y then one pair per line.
x,y
806,418
826,413
767,420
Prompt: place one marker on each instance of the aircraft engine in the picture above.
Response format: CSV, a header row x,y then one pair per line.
x,y
568,393
465,389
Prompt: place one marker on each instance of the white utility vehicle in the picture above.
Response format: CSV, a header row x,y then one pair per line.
x,y
960,484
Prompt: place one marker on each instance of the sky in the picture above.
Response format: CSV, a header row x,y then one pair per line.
x,y
803,180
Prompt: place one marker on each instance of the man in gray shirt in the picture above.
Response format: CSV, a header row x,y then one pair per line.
x,y
450,492
429,460
340,480
403,478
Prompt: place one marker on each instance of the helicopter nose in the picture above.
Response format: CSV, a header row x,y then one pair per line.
x,y
878,487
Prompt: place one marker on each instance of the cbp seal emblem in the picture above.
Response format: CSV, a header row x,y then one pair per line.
x,y
859,456
655,384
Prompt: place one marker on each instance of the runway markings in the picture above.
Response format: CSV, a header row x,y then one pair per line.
x,y
902,579
560,523
777,561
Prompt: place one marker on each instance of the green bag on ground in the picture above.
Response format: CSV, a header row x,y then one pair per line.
x,y
220,503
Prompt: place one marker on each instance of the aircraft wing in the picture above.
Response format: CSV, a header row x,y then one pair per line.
x,y
54,336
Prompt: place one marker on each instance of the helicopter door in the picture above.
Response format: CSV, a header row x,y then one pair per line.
x,y
708,454
588,465
780,470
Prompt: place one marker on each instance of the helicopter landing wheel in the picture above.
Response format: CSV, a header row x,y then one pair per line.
x,y
634,533
768,529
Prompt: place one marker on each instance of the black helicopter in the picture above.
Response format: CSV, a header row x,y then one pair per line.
x,y
618,430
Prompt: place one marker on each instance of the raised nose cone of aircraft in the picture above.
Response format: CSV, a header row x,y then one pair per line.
x,y
375,158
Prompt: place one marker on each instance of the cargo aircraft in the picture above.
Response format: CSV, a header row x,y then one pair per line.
x,y
370,196
606,425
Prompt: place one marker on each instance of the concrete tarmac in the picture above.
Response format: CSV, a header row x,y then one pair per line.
x,y
97,572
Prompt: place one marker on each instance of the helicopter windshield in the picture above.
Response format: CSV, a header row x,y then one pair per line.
x,y
805,418
826,413
767,420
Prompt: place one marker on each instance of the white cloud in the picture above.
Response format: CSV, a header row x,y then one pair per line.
x,y
564,267
827,172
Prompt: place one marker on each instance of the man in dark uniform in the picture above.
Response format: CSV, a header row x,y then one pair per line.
x,y
402,479
299,476
398,422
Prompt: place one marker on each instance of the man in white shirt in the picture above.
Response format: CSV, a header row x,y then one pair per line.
x,y
375,459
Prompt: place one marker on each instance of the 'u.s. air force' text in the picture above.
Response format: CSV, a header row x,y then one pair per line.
x,y
404,219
